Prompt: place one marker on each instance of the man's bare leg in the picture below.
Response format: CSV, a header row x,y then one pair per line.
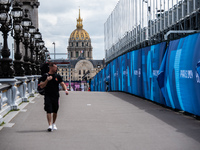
x,y
54,117
49,118
54,120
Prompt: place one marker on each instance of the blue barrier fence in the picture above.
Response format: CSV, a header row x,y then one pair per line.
x,y
164,74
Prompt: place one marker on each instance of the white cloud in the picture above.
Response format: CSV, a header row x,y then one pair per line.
x,y
49,18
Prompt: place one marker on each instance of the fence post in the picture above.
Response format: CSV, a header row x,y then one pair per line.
x,y
23,88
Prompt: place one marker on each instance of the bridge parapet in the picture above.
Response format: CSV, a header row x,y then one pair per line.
x,y
14,91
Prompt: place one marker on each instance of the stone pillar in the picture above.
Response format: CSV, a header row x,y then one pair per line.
x,y
12,92
91,54
30,86
23,89
36,82
74,54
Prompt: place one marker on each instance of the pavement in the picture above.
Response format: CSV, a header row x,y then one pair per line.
x,y
100,121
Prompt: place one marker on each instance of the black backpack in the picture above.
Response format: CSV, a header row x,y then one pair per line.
x,y
40,90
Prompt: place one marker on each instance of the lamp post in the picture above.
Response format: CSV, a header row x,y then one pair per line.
x,y
32,30
54,50
44,54
69,55
26,22
41,52
6,67
17,14
37,36
39,46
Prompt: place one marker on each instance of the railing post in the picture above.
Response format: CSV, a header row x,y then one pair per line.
x,y
30,86
36,82
23,88
11,93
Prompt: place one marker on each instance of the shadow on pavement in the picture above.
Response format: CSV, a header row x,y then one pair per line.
x,y
32,131
182,123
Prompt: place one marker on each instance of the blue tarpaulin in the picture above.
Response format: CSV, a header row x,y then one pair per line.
x,y
167,75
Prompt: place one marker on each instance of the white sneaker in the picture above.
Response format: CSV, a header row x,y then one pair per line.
x,y
50,128
54,127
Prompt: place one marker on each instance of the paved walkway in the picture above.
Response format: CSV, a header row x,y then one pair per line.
x,y
101,121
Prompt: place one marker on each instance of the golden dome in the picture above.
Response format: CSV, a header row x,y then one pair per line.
x,y
79,33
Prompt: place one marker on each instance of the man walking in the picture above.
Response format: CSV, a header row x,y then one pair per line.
x,y
50,81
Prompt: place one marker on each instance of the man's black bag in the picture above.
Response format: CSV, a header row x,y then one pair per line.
x,y
44,69
39,89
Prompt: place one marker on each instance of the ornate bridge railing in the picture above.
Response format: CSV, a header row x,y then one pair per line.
x,y
16,91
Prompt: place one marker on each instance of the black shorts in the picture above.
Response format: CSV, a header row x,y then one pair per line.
x,y
51,104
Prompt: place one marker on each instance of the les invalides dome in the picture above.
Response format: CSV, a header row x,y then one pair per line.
x,y
79,33
80,43
82,66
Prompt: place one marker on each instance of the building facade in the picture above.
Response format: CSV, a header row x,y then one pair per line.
x,y
82,66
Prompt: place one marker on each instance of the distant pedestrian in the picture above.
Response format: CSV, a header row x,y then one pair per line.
x,y
107,86
198,67
50,81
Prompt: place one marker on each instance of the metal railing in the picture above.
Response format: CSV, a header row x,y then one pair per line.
x,y
135,24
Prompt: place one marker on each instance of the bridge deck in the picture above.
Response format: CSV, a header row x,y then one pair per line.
x,y
102,121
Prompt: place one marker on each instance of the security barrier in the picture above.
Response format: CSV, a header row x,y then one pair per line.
x,y
164,74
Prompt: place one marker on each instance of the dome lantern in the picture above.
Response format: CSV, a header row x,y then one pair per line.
x,y
79,22
79,34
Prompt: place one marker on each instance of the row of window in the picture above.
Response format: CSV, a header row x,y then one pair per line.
x,y
77,45
63,73
66,78
84,71
72,76
63,69
81,54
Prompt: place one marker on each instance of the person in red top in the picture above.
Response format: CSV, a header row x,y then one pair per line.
x,y
50,81
89,89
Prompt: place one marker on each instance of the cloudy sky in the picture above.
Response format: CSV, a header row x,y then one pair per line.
x,y
57,20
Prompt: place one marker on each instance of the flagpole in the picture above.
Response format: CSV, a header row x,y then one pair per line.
x,y
69,71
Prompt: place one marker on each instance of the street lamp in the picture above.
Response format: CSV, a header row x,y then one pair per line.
x,y
39,45
69,56
6,67
43,54
32,31
26,23
54,50
36,56
37,36
17,14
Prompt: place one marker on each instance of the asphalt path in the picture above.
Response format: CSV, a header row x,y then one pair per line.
x,y
101,121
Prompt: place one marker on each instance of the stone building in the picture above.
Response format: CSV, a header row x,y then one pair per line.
x,y
81,58
32,7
